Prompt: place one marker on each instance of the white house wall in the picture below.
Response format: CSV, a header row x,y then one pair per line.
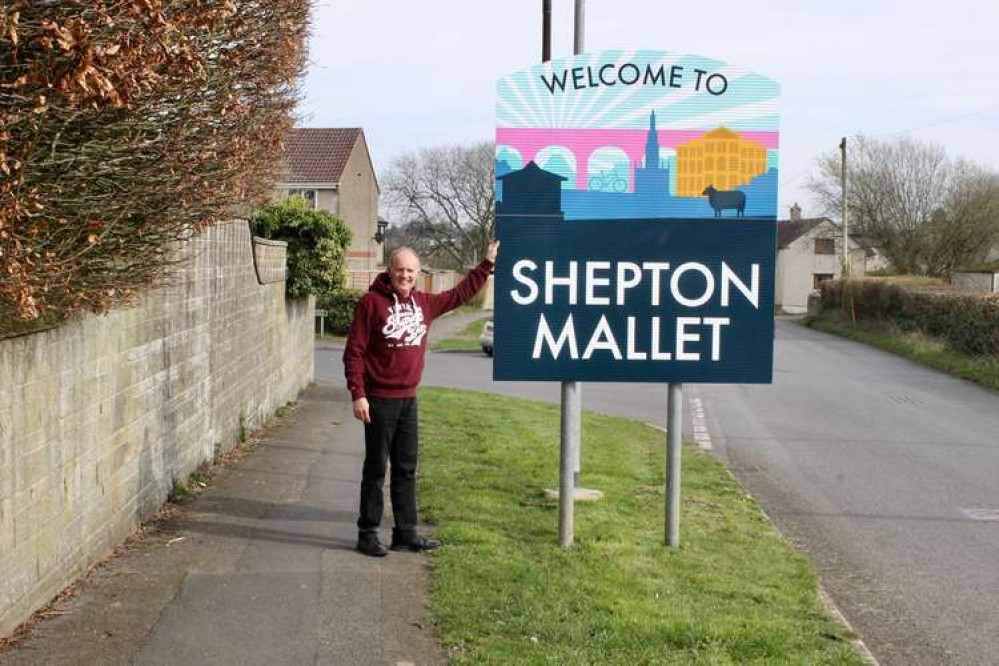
x,y
797,263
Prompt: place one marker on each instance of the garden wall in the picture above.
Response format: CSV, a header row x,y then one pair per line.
x,y
100,416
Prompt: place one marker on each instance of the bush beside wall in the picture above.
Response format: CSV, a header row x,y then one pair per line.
x,y
969,323
340,307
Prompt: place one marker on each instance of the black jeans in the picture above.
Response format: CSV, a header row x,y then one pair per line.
x,y
392,434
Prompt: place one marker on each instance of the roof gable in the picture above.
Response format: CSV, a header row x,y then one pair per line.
x,y
789,231
721,133
318,154
531,172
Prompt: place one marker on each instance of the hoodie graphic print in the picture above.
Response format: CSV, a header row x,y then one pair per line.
x,y
404,323
387,340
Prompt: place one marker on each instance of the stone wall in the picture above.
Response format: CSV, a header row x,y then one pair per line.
x,y
100,416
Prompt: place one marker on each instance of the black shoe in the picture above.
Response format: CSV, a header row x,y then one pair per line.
x,y
368,544
413,542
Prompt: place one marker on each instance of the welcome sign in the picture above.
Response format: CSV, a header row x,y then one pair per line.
x,y
636,200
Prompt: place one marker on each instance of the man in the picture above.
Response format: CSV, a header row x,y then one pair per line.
x,y
383,362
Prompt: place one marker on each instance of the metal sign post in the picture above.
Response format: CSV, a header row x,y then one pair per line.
x,y
570,411
570,435
572,391
674,426
322,314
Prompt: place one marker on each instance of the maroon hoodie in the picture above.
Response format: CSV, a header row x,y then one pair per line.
x,y
388,336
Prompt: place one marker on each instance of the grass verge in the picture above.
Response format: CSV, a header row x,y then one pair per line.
x,y
912,345
503,592
465,340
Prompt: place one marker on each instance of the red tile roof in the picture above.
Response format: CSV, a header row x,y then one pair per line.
x,y
318,154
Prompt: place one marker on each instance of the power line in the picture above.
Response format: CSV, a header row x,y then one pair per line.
x,y
944,121
791,179
787,181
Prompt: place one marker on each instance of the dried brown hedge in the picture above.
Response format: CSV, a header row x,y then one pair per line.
x,y
967,322
125,126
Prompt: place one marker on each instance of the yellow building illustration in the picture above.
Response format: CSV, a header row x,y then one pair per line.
x,y
721,158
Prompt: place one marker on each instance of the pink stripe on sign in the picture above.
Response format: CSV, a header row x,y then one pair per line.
x,y
533,139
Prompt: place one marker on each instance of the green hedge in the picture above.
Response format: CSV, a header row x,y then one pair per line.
x,y
340,307
967,322
317,245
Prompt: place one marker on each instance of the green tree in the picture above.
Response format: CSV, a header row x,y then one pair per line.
x,y
317,246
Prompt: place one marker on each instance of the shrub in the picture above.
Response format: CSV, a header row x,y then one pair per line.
x,y
968,323
340,308
317,246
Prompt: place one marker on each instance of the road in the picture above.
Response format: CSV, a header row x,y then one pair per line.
x,y
886,473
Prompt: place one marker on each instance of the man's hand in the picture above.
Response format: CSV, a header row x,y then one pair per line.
x,y
361,412
492,250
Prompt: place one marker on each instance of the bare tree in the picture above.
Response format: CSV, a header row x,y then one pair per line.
x,y
930,214
966,227
444,196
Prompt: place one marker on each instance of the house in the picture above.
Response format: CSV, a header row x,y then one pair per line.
x,y
874,260
809,251
330,167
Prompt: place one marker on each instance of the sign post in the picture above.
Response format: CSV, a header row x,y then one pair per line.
x,y
674,421
636,201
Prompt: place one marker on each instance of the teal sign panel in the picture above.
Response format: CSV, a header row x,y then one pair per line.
x,y
636,202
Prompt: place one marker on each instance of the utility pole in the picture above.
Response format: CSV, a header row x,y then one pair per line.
x,y
847,272
546,30
579,26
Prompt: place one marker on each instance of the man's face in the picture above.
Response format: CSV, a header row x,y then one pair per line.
x,y
403,271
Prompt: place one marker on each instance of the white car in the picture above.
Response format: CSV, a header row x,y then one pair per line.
x,y
486,339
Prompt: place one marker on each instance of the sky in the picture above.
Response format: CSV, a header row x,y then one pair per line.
x,y
423,74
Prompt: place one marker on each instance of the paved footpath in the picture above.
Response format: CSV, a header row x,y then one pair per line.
x,y
258,569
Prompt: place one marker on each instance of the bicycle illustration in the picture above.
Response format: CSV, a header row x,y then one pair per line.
x,y
607,181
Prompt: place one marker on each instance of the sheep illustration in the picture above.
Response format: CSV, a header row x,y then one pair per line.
x,y
726,199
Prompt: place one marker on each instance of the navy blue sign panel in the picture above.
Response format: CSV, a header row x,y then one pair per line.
x,y
634,300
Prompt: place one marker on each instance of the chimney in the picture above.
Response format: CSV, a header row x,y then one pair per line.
x,y
795,212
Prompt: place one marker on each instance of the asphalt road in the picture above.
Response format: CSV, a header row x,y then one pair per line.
x,y
886,473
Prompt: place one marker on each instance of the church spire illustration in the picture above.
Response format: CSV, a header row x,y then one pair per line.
x,y
651,178
652,144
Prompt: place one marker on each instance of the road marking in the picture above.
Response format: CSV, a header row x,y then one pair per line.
x,y
980,513
699,424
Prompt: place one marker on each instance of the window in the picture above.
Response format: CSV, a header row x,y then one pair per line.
x,y
819,278
825,246
308,195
